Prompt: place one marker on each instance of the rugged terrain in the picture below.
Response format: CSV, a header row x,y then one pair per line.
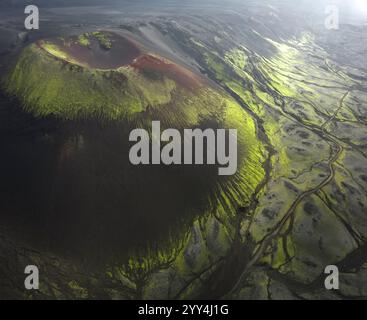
x,y
297,204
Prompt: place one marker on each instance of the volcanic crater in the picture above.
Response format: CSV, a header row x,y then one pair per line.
x,y
105,50
93,193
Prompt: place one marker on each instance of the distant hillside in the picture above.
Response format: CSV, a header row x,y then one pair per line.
x,y
66,3
49,3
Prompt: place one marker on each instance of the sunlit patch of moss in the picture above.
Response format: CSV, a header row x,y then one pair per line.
x,y
265,97
284,49
57,52
142,265
279,256
83,39
247,97
249,175
237,58
156,92
104,40
216,66
79,291
282,88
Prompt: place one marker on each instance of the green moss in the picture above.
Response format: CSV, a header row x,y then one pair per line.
x,y
104,40
83,39
47,87
55,51
79,291
237,57
279,256
214,63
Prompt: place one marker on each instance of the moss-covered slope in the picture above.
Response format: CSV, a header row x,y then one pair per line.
x,y
50,79
48,83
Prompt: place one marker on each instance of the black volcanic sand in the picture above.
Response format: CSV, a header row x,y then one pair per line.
x,y
68,188
122,53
